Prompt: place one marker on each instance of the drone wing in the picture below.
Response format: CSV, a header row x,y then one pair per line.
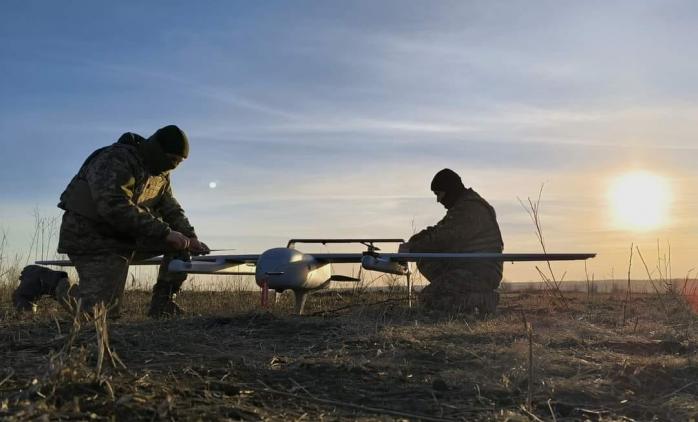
x,y
343,258
385,262
205,264
486,256
217,264
66,263
397,263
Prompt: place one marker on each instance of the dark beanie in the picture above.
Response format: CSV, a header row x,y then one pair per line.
x,y
449,182
172,140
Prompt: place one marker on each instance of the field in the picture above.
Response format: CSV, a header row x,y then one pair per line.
x,y
358,355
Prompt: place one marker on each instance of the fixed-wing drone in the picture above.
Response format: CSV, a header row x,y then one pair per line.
x,y
288,268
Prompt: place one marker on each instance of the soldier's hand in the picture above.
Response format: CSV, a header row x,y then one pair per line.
x,y
198,247
403,248
177,241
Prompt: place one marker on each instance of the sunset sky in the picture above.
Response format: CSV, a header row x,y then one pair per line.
x,y
329,118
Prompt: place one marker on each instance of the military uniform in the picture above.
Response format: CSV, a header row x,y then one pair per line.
x,y
115,206
470,225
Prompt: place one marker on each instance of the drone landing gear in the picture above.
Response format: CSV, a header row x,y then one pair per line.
x,y
300,297
265,296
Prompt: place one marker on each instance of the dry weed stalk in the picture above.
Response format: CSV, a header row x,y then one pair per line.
x,y
550,281
528,327
685,289
659,295
628,290
40,247
675,303
100,313
665,263
591,287
74,328
9,269
529,334
70,365
45,229
97,318
690,293
3,243
3,265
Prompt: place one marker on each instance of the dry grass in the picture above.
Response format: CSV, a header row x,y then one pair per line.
x,y
359,355
363,355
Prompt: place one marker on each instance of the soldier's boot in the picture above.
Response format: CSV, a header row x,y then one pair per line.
x,y
36,281
162,304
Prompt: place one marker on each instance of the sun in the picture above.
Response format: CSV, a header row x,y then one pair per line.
x,y
640,201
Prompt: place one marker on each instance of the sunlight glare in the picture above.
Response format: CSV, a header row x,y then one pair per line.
x,y
640,201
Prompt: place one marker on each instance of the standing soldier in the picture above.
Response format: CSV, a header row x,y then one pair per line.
x,y
120,208
470,225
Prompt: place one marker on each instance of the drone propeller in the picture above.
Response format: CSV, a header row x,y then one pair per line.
x,y
371,247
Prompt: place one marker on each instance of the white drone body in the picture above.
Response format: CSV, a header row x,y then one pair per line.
x,y
281,269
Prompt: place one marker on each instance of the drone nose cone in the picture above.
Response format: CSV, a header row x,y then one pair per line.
x,y
287,268
274,267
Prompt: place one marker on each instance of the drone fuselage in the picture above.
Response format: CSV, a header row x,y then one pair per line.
x,y
287,268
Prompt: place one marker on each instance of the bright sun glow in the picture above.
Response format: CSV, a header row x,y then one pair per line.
x,y
640,200
213,185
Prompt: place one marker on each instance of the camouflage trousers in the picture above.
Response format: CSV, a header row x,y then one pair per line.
x,y
102,280
458,289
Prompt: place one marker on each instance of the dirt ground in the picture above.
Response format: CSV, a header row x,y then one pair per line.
x,y
358,355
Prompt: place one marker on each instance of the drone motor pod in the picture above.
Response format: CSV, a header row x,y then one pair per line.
x,y
375,263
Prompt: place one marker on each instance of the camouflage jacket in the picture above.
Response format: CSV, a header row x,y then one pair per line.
x,y
470,225
114,205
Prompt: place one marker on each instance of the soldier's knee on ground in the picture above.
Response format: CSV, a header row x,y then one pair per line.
x,y
71,299
452,298
102,281
108,296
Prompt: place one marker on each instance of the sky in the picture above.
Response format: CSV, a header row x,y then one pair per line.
x,y
329,118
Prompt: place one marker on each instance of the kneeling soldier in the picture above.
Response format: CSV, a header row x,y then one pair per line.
x,y
119,208
470,225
